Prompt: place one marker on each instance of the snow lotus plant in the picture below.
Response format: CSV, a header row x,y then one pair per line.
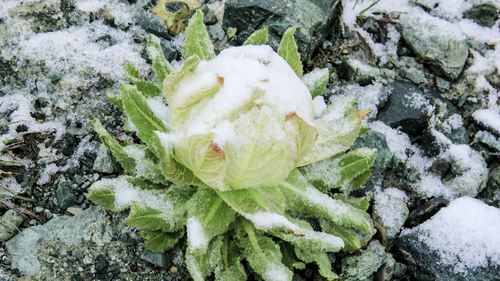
x,y
234,163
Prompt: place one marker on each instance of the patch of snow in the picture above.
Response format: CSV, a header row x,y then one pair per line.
x,y
464,234
276,272
489,118
47,173
197,238
319,106
159,108
268,220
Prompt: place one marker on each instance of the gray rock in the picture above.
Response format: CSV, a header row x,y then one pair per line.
x,y
436,42
9,224
152,24
386,272
158,259
89,225
389,214
363,266
456,244
484,14
104,161
406,108
312,17
491,193
65,194
362,73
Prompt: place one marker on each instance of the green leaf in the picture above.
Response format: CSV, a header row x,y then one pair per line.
x,y
258,37
139,112
362,203
290,259
262,253
172,81
127,162
148,88
200,265
115,99
197,39
289,51
208,216
307,135
170,168
353,240
338,128
131,72
148,218
161,67
231,267
105,197
347,172
321,259
316,81
310,201
160,241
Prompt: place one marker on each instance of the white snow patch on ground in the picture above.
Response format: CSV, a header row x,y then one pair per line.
x,y
465,234
47,173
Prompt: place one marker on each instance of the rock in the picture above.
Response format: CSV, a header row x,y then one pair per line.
x,y
361,72
104,161
312,17
406,108
89,225
158,259
460,242
437,42
65,194
389,213
152,24
9,224
484,14
491,193
386,272
363,266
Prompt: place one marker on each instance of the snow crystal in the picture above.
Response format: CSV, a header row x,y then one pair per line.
x,y
465,234
452,123
369,97
275,272
197,237
489,118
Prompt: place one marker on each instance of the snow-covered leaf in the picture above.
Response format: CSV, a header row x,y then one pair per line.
x,y
197,39
161,67
258,37
316,81
172,81
290,52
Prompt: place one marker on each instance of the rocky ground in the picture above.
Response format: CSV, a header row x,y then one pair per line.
x,y
429,71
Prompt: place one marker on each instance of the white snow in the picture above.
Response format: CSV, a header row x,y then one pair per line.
x,y
47,173
197,238
465,234
275,272
319,106
324,201
245,70
159,108
489,118
268,220
77,51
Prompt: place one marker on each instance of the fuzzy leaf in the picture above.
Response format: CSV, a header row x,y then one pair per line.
x,y
289,51
347,172
160,241
362,203
172,81
208,216
321,259
258,37
307,199
147,218
336,133
148,88
316,81
105,197
161,67
131,72
115,99
200,265
170,168
138,110
353,240
197,39
128,163
262,253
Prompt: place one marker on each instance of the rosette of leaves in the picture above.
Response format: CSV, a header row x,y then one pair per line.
x,y
233,162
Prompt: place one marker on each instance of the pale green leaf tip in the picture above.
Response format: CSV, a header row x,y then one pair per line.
x,y
258,37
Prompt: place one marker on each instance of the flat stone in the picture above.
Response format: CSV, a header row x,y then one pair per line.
x,y
9,224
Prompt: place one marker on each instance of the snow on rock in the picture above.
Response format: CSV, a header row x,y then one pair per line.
x,y
488,118
390,212
464,235
81,50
